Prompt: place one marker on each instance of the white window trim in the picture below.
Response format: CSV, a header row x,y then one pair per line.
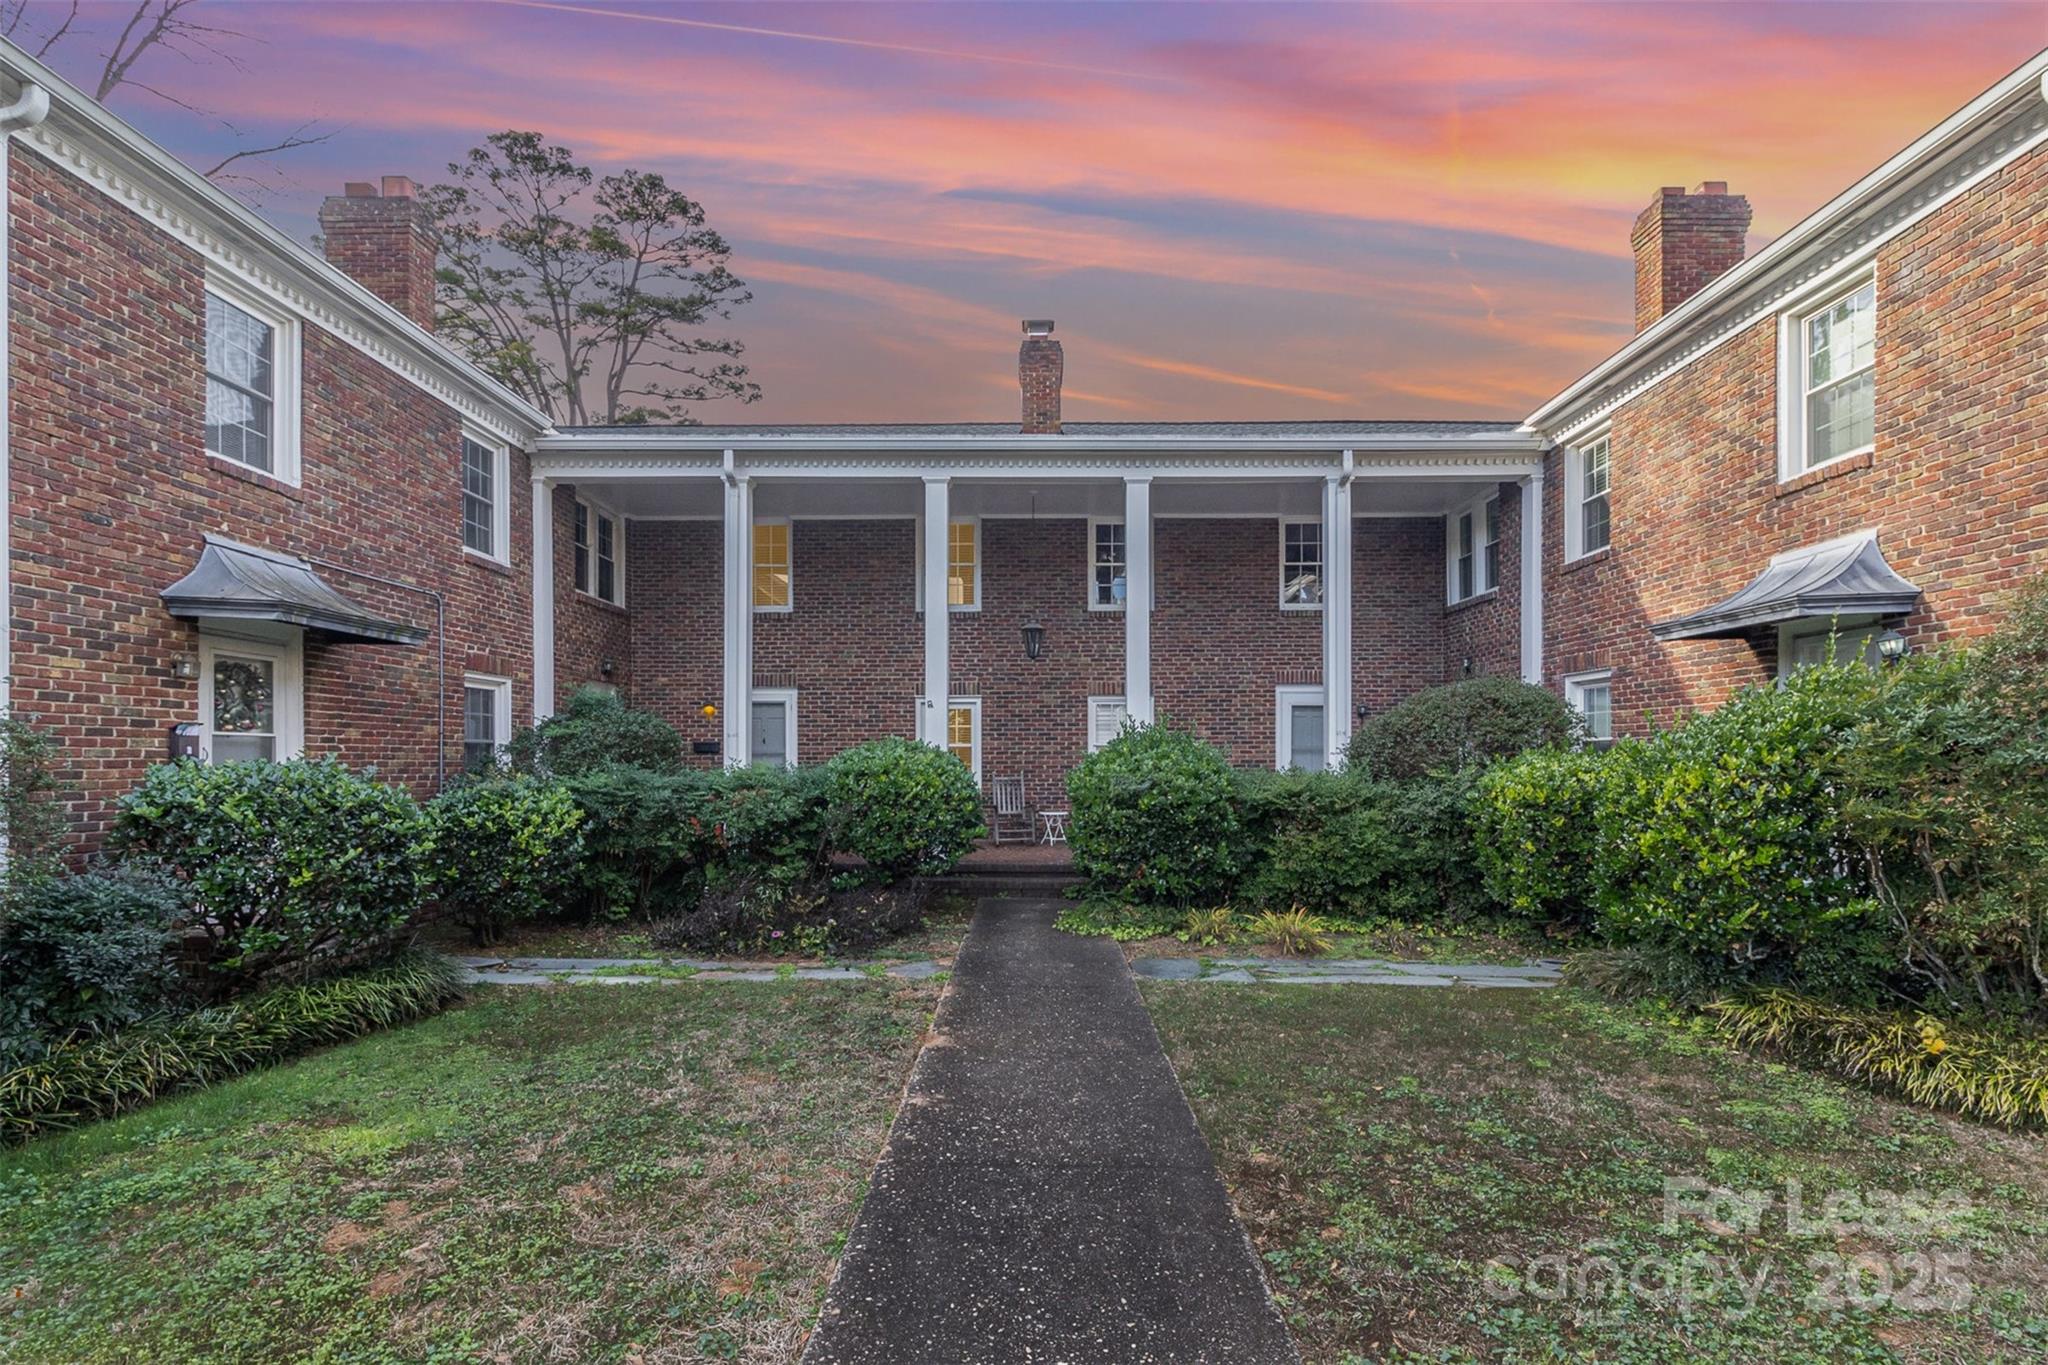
x,y
285,364
288,673
1093,704
973,521
594,510
1089,580
1791,378
1322,562
1285,699
1575,494
501,504
501,708
953,704
1575,685
1480,586
787,696
753,565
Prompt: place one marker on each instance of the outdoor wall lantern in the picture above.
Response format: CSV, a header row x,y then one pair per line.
x,y
1892,646
606,667
1034,638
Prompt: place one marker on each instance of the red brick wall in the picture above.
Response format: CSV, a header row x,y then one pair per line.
x,y
1488,629
1397,614
112,490
1220,642
1957,486
674,573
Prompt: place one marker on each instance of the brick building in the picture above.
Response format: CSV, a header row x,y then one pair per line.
x,y
254,506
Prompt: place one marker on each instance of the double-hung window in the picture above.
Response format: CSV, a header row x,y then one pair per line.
x,y
1301,565
773,588
1475,550
1592,696
963,732
1108,565
1834,377
600,554
1589,479
252,375
486,720
484,505
963,565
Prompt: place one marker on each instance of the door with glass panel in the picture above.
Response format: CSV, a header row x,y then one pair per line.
x,y
1300,739
249,700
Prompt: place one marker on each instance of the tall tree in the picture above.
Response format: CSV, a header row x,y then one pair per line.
x,y
589,312
152,28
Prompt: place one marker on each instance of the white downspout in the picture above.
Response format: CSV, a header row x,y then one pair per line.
x,y
30,107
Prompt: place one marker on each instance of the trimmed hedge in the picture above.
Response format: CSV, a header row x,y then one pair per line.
x,y
904,809
1464,725
1535,836
593,732
291,864
1154,816
1345,846
502,850
100,1077
86,954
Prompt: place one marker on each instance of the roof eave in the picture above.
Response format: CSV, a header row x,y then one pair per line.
x,y
1810,607
1510,443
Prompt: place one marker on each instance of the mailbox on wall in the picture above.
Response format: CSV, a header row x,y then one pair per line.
x,y
185,740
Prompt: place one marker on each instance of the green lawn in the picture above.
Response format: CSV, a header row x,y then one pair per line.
x,y
1384,1145
595,1173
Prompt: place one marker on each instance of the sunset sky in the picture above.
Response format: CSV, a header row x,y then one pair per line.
x,y
1233,211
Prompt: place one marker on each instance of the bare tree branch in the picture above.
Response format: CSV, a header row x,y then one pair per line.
x,y
297,137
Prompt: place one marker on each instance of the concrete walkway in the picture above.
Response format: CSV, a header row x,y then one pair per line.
x,y
1045,1195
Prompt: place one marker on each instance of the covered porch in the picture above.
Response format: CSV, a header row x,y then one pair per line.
x,y
1086,582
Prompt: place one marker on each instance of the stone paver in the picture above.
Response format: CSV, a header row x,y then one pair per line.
x,y
620,971
1283,971
1045,1195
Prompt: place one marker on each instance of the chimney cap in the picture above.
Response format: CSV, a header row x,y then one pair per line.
x,y
1038,327
359,189
399,187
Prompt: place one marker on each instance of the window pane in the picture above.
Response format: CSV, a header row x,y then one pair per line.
x,y
1841,418
1301,569
960,734
1593,530
1110,566
1106,721
607,559
771,566
479,727
237,424
239,384
960,555
479,494
581,523
1305,738
244,721
1596,703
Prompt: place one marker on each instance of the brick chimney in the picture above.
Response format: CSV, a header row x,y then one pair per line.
x,y
1040,367
1683,241
381,236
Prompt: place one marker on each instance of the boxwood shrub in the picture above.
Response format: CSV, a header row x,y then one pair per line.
x,y
1154,817
291,867
905,809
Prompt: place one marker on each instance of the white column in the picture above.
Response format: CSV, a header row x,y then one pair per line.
x,y
1337,698
938,614
1532,577
737,703
543,600
31,106
1138,600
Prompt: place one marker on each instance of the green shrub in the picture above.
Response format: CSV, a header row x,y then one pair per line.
x,y
1944,780
1154,817
86,954
98,1077
766,825
290,865
29,811
500,851
1464,725
905,809
1723,837
1295,932
646,839
594,731
1534,833
1995,1073
1325,841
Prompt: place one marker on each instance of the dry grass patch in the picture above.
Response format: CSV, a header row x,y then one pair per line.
x,y
652,1174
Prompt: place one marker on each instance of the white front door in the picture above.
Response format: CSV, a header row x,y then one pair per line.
x,y
1300,733
251,702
